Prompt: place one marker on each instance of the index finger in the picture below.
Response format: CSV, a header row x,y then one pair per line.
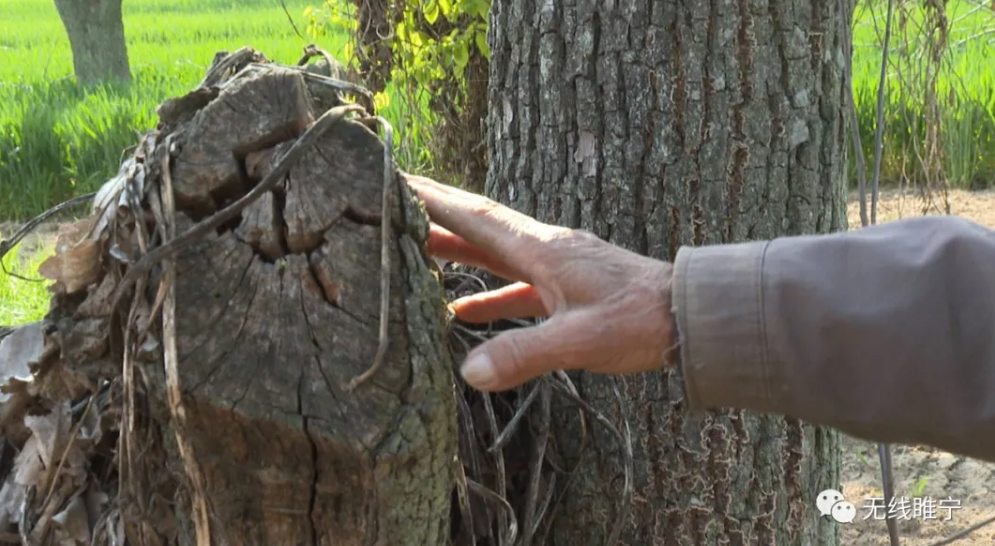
x,y
494,228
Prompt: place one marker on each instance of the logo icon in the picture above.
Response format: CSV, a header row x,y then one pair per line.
x,y
826,500
844,512
831,503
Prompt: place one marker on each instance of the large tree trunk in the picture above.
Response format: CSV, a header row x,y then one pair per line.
x,y
660,123
96,35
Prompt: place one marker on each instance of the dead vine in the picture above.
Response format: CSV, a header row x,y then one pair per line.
x,y
527,425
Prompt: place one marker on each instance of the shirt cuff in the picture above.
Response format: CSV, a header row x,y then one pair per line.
x,y
717,303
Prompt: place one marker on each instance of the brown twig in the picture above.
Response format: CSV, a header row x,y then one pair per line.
x,y
851,106
291,20
65,451
201,512
627,456
531,520
489,495
512,427
6,245
959,535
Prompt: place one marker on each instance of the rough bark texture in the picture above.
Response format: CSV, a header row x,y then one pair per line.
x,y
657,124
96,36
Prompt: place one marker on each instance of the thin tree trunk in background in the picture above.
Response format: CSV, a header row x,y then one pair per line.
x,y
96,35
656,124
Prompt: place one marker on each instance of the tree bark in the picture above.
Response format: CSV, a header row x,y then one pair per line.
x,y
656,124
257,432
96,36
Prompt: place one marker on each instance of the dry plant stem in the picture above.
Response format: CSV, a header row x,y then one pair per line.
x,y
888,484
7,244
126,461
469,433
627,463
851,105
512,426
65,451
22,524
489,495
884,451
171,248
389,184
957,536
291,20
529,521
312,50
30,225
218,72
551,507
171,358
467,419
462,489
501,477
879,134
546,503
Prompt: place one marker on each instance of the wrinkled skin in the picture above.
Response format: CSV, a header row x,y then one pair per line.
x,y
608,309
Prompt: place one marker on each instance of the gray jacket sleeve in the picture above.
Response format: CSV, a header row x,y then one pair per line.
x,y
886,333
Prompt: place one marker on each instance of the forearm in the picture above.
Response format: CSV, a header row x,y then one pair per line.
x,y
886,333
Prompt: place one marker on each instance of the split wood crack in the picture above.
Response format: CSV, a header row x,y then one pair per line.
x,y
170,248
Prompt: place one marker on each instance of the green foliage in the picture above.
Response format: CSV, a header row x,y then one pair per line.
x,y
422,57
920,487
431,47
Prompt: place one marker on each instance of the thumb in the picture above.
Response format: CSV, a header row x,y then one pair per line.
x,y
516,356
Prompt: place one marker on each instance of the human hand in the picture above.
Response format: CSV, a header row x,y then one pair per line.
x,y
608,309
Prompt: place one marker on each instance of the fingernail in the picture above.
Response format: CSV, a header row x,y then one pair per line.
x,y
479,371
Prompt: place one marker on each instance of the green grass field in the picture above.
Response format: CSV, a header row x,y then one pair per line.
x,y
965,89
56,141
23,301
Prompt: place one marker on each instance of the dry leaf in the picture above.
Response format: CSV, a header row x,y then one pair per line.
x,y
98,302
17,351
74,269
113,193
96,502
69,235
11,502
73,523
29,467
52,430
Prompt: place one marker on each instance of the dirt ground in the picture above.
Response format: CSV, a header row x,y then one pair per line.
x,y
924,473
44,234
920,473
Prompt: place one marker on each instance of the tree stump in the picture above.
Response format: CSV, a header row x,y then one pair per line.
x,y
275,312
